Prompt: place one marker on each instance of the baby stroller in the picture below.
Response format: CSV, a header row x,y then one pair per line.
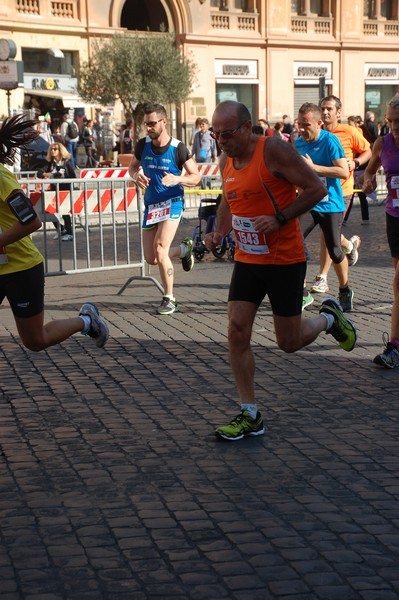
x,y
207,212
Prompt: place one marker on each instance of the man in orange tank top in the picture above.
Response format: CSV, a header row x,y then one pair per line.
x,y
260,176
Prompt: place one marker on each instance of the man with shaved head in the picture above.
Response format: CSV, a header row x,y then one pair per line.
x,y
260,176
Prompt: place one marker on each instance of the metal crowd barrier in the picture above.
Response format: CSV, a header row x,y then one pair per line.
x,y
106,216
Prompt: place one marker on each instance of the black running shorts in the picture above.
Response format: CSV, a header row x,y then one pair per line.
x,y
393,234
283,284
24,291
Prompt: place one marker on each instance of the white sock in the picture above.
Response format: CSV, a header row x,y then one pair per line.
x,y
183,250
169,296
251,410
349,249
330,320
86,323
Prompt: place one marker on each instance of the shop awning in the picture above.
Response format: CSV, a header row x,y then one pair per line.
x,y
68,98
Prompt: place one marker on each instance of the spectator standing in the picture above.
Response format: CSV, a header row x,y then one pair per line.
x,y
267,130
287,125
87,137
204,150
127,138
71,137
278,132
196,129
59,166
370,129
358,177
384,128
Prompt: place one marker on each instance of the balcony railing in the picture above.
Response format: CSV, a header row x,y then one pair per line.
x,y
28,7
230,21
312,25
373,27
63,10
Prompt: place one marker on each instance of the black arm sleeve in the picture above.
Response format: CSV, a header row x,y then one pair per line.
x,y
182,155
138,149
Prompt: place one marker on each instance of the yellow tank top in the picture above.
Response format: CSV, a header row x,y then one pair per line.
x,y
23,254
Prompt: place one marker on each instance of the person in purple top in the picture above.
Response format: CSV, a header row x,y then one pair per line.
x,y
386,153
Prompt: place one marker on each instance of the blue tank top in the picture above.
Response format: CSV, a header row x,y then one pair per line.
x,y
155,166
390,162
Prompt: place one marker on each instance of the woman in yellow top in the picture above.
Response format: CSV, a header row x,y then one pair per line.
x,y
21,264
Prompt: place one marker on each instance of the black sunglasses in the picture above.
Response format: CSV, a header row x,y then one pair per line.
x,y
228,133
152,123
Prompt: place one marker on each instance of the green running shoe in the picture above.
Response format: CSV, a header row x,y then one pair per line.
x,y
307,300
242,425
188,260
343,330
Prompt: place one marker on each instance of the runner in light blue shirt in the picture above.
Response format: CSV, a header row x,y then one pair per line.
x,y
323,152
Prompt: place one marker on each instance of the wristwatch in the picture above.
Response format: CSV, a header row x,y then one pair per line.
x,y
280,218
357,163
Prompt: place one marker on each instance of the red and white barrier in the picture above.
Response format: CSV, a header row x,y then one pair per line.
x,y
111,173
86,201
207,169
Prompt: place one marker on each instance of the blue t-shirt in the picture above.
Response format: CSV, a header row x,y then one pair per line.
x,y
324,151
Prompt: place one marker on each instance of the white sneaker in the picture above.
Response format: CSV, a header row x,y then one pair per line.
x,y
320,285
353,255
67,238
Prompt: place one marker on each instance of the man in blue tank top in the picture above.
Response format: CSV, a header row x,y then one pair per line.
x,y
157,165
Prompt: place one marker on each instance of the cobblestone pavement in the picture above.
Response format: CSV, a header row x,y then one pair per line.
x,y
113,486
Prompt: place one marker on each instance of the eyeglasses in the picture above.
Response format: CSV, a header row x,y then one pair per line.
x,y
152,123
54,148
227,134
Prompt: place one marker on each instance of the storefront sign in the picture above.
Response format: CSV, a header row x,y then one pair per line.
x,y
50,82
312,71
375,71
236,69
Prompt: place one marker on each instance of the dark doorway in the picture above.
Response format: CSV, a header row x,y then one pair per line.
x,y
144,15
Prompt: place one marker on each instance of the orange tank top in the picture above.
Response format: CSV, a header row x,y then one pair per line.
x,y
247,199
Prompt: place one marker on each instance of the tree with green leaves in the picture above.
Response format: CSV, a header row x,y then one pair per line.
x,y
137,69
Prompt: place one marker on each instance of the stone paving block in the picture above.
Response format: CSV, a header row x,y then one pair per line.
x,y
109,463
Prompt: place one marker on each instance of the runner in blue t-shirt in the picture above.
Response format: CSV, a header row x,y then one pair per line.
x,y
157,166
324,153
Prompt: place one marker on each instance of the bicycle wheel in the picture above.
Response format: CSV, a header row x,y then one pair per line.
x,y
220,251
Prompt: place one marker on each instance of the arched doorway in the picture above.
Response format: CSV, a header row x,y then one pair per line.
x,y
145,15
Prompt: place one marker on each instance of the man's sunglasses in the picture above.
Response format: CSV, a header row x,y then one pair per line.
x,y
152,123
227,134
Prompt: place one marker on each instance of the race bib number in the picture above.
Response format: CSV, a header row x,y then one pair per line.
x,y
395,191
247,239
324,182
158,212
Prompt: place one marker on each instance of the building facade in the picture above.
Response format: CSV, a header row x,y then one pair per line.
x,y
272,55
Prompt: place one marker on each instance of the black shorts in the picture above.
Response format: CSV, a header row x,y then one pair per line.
x,y
283,284
393,234
24,291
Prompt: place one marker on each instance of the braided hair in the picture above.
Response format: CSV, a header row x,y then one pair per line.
x,y
16,132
